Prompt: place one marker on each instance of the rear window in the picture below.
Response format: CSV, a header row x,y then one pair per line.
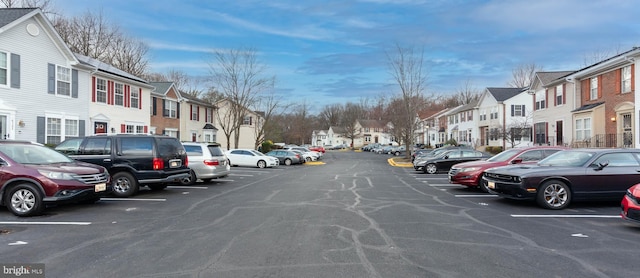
x,y
169,147
215,150
193,150
136,146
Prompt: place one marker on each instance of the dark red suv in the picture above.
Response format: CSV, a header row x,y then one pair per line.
x,y
32,175
470,173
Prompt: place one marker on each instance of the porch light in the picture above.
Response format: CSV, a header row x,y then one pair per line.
x,y
613,119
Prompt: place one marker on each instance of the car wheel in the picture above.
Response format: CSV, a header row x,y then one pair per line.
x,y
287,162
483,186
308,159
430,169
24,199
554,195
396,153
262,164
189,180
157,187
124,184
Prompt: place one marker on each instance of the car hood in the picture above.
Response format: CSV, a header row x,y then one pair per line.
x,y
79,168
531,170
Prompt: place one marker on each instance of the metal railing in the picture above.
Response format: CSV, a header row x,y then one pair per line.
x,y
612,140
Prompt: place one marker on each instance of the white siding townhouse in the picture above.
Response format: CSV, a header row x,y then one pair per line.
x,y
198,125
319,138
251,123
505,117
553,100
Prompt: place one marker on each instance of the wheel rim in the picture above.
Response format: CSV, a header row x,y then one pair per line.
x,y
431,169
23,200
261,164
122,185
287,162
555,195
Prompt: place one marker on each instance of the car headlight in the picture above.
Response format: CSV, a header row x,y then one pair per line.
x,y
56,175
470,169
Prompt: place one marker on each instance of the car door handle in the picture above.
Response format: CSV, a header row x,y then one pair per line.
x,y
106,160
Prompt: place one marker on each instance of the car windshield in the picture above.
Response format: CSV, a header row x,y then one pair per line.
x,y
257,153
33,154
503,156
567,158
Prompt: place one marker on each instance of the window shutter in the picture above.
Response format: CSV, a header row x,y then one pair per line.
x,y
586,89
165,113
633,78
564,93
599,86
513,110
146,129
546,132
139,98
250,120
15,71
535,107
127,96
178,111
154,106
74,83
619,81
51,85
40,130
198,113
190,111
81,128
123,128
523,110
555,92
93,89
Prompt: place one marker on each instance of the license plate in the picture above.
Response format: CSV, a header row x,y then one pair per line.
x,y
101,187
175,163
491,185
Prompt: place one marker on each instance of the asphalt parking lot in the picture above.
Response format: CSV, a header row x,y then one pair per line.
x,y
353,216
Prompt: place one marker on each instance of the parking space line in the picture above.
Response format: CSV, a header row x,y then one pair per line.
x,y
132,199
44,223
187,187
241,175
564,216
476,195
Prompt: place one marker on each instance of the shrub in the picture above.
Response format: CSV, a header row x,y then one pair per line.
x,y
267,146
493,149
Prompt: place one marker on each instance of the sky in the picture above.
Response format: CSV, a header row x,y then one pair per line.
x,y
323,52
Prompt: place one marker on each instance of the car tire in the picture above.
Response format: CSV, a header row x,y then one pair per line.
x,y
189,180
554,194
262,164
396,153
24,199
308,159
430,169
124,184
157,187
287,162
483,186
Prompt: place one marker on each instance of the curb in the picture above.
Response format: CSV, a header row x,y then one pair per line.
x,y
401,164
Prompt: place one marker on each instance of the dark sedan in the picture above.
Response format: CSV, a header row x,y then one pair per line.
x,y
445,160
578,174
286,157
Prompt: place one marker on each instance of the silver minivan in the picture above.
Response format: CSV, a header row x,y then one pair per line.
x,y
207,161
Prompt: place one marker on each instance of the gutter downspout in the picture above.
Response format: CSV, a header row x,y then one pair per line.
x,y
504,126
575,100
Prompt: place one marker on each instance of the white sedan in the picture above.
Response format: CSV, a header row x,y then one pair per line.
x,y
251,158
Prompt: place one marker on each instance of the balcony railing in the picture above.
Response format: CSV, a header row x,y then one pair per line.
x,y
612,140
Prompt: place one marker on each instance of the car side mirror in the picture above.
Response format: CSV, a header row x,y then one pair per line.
x,y
446,157
516,161
601,165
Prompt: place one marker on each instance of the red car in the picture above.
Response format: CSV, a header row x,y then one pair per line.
x,y
32,175
317,149
470,173
631,204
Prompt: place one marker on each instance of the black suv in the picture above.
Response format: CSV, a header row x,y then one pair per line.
x,y
133,160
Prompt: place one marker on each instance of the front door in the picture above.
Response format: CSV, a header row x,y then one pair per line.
x,y
4,132
627,132
559,133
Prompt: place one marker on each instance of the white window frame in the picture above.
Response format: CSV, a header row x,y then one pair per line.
x,y
118,92
626,80
194,112
518,110
134,97
66,126
209,115
173,132
172,107
559,95
246,120
583,129
593,91
4,68
101,90
63,76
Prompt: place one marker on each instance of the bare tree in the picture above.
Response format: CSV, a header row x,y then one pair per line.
x,y
600,55
92,35
517,131
468,93
45,5
269,106
406,66
239,78
523,75
351,113
185,83
330,115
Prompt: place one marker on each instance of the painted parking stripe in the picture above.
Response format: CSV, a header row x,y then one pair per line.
x,y
241,175
43,223
475,195
132,199
564,216
187,187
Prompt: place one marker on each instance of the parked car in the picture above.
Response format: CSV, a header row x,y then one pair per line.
x,y
470,173
567,176
286,157
207,161
133,160
631,204
251,158
306,153
385,149
339,147
317,149
445,160
369,147
434,152
32,175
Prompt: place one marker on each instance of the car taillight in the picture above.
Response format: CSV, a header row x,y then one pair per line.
x,y
210,162
297,155
158,164
186,161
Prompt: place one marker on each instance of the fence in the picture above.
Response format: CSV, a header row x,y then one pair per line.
x,y
613,140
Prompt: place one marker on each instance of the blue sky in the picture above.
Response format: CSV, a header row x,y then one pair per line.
x,y
333,51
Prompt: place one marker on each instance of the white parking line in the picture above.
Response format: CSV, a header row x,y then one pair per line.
x,y
240,175
476,195
187,187
132,199
43,223
564,216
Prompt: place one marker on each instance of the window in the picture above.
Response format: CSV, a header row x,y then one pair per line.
x,y
559,95
617,160
136,145
541,101
463,117
541,133
194,112
469,115
71,128
171,132
494,113
63,81
209,115
247,120
119,94
493,134
520,133
626,79
101,90
139,129
517,110
4,70
134,98
583,129
366,129
594,88
483,115
97,146
54,130
533,155
58,129
170,109
367,138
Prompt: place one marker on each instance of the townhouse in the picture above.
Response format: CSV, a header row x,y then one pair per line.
x,y
199,126
372,131
319,138
465,124
554,97
505,117
249,126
